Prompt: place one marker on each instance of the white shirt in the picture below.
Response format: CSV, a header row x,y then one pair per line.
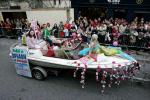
x,y
122,28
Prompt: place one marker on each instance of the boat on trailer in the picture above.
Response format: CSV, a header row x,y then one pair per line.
x,y
115,67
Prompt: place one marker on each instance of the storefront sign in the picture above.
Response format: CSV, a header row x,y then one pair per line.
x,y
113,1
91,1
19,55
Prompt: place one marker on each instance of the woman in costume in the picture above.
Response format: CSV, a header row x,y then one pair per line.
x,y
95,48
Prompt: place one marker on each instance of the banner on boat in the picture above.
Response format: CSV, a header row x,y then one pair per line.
x,y
19,55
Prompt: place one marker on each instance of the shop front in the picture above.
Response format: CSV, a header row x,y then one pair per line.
x,y
127,9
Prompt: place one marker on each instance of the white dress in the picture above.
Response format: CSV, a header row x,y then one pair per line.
x,y
31,42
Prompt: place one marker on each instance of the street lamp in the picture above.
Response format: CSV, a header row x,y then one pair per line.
x,y
113,1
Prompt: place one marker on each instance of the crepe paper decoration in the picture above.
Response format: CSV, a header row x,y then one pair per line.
x,y
113,62
110,80
119,65
83,76
71,43
97,73
94,56
118,72
84,60
103,82
77,68
97,78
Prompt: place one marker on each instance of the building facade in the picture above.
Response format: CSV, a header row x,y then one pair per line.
x,y
45,11
127,9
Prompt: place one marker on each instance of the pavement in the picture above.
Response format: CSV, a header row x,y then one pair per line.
x,y
143,57
64,86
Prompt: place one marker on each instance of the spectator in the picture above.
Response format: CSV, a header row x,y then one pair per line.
x,y
48,26
67,27
122,28
73,27
102,29
8,27
18,24
135,33
55,30
2,25
61,28
88,33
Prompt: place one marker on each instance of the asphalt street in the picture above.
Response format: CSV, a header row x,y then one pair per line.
x,y
62,87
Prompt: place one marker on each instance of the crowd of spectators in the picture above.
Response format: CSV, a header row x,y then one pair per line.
x,y
13,27
135,33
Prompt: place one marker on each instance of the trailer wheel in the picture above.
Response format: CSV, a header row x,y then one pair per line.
x,y
39,73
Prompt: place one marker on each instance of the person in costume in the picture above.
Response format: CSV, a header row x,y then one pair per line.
x,y
95,48
31,39
36,28
94,44
46,35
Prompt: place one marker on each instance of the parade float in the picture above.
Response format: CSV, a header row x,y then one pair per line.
x,y
110,64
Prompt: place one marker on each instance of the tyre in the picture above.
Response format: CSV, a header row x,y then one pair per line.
x,y
37,74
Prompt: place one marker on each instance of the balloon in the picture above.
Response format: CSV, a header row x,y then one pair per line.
x,y
115,43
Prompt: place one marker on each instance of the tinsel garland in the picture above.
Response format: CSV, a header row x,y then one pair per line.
x,y
82,73
83,76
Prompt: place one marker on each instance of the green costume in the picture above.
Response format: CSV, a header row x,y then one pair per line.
x,y
46,33
46,36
